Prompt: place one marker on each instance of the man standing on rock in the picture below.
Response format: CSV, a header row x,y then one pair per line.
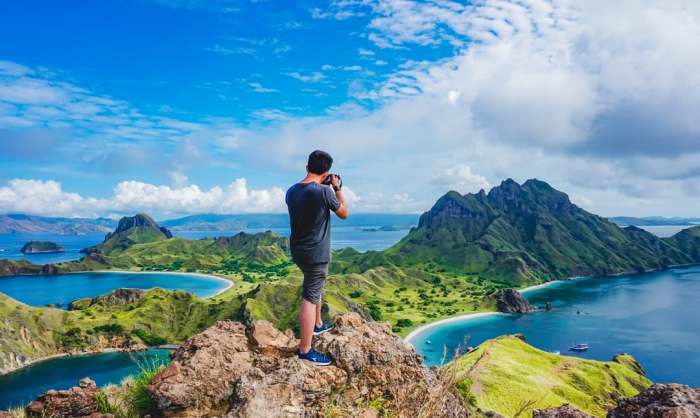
x,y
310,202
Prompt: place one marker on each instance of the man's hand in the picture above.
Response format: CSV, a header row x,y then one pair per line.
x,y
335,182
342,211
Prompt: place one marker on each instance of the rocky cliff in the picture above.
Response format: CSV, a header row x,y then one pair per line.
x,y
511,301
232,371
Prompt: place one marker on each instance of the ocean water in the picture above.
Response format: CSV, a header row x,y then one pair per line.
x,y
24,385
11,244
62,289
653,316
342,236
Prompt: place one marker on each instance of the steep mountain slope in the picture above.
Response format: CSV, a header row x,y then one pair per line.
x,y
530,233
131,230
505,373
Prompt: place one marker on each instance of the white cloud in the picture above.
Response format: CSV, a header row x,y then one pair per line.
x,y
313,77
258,88
461,179
48,198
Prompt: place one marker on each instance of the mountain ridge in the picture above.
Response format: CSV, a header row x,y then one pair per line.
x,y
531,233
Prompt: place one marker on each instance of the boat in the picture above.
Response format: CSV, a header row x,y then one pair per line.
x,y
556,352
428,342
579,347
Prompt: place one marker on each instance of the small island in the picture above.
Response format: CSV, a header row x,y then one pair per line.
x,y
41,247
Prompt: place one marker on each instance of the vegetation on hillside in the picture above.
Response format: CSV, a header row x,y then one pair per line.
x,y
464,249
507,375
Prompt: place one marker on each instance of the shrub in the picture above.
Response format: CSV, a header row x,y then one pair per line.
x,y
355,294
404,322
148,338
109,329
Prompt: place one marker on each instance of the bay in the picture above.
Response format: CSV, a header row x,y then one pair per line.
x,y
22,386
653,316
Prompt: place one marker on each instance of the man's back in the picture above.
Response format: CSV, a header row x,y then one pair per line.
x,y
309,207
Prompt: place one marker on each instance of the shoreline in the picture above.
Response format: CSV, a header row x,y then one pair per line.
x,y
467,316
473,315
78,354
229,283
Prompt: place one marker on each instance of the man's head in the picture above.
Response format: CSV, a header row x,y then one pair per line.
x,y
320,162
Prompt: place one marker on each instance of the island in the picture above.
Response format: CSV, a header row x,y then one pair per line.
x,y
41,247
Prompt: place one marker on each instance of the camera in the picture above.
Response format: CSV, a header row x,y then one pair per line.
x,y
327,180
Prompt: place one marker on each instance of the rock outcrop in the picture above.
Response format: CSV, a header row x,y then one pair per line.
x,y
76,402
116,297
564,411
511,301
661,401
233,371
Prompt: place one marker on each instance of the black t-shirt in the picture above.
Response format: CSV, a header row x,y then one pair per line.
x,y
309,207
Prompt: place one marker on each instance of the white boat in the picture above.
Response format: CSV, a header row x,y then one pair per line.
x,y
579,347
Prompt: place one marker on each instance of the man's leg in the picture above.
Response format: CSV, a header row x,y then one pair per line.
x,y
307,315
319,320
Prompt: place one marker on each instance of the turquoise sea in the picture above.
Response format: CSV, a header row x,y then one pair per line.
x,y
61,289
653,316
23,386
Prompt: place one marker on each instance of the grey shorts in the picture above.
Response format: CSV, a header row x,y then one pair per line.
x,y
314,280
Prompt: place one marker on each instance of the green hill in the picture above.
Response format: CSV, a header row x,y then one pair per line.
x,y
138,229
524,234
506,374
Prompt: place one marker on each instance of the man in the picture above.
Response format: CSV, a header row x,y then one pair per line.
x,y
309,203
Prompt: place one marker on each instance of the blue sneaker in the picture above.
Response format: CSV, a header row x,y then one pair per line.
x,y
315,357
323,328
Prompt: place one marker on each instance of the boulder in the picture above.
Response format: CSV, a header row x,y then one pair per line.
x,y
660,401
511,301
76,402
563,411
233,371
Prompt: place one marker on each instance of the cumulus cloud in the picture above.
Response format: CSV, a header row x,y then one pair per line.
x,y
597,97
48,198
461,179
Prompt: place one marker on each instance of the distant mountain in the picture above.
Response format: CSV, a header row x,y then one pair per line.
x,y
30,224
530,233
214,222
131,230
653,221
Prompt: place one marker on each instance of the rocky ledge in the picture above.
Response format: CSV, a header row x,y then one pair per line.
x,y
661,400
657,401
511,301
76,402
233,371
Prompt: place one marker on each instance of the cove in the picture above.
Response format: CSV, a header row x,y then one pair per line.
x,y
61,289
23,386
653,316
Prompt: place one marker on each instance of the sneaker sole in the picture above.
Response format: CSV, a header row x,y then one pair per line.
x,y
316,362
322,332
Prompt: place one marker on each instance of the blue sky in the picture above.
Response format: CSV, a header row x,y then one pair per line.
x,y
192,106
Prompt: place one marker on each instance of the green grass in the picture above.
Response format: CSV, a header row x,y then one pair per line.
x,y
130,399
504,373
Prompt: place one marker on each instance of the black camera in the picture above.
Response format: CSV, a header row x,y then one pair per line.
x,y
329,178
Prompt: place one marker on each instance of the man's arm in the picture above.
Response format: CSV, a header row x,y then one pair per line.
x,y
342,211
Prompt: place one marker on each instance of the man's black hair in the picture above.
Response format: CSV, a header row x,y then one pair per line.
x,y
319,162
